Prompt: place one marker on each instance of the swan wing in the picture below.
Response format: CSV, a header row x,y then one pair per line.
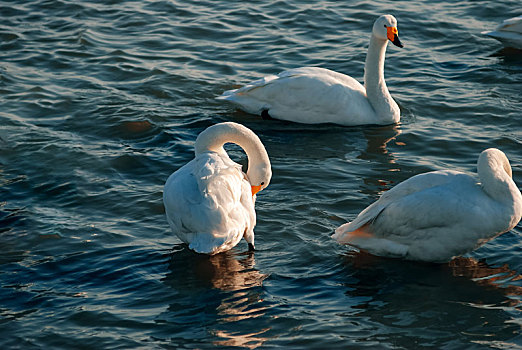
x,y
431,216
209,203
307,95
414,184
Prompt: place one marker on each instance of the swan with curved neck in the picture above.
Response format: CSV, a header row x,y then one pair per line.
x,y
439,215
209,202
315,95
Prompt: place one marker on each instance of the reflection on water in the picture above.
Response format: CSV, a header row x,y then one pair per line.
x,y
509,55
488,276
377,139
229,271
383,162
248,340
430,302
238,300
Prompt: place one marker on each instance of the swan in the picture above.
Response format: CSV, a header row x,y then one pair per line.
x,y
508,32
209,202
438,215
315,95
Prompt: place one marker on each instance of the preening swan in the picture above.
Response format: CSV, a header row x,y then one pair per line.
x,y
314,95
508,32
209,201
439,215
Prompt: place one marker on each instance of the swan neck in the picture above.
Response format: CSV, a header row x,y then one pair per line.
x,y
374,83
495,177
215,137
374,65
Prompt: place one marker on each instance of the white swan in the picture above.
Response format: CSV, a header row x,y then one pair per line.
x,y
438,215
209,201
314,95
508,32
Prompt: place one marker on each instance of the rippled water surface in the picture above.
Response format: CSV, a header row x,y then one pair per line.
x,y
102,101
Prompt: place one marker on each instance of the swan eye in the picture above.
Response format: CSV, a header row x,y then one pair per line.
x,y
262,183
385,26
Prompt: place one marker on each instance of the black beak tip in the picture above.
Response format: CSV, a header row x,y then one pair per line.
x,y
397,42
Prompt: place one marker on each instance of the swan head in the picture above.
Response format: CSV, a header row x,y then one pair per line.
x,y
385,28
494,158
259,177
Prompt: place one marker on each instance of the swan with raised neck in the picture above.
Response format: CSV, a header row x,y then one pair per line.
x,y
376,90
314,95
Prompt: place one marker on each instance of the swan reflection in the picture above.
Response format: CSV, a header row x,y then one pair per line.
x,y
249,340
237,275
484,275
377,139
433,301
461,268
382,161
230,272
231,282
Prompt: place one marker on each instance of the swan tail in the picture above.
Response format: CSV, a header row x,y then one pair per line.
x,y
362,222
346,233
227,95
244,98
247,88
364,239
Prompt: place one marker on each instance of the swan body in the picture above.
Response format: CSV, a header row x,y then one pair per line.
x,y
508,32
438,215
209,202
315,95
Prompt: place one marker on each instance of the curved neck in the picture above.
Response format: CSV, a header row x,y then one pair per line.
x,y
495,176
215,137
376,89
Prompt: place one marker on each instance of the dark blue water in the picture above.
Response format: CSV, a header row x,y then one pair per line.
x,y
102,101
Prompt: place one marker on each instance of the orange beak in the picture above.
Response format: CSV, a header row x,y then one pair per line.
x,y
392,31
393,36
255,189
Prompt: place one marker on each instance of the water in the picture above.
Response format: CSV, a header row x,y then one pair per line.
x,y
102,101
